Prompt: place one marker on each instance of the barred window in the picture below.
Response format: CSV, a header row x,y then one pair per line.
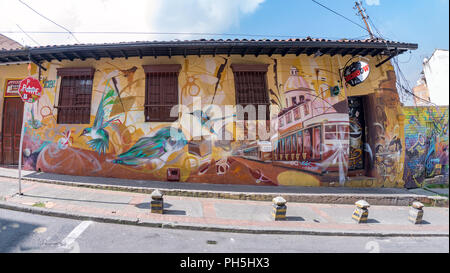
x,y
251,87
161,93
75,92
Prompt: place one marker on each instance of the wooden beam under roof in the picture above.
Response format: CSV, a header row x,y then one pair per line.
x,y
272,50
109,54
285,51
78,55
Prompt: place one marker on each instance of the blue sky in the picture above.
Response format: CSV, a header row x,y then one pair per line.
x,y
425,22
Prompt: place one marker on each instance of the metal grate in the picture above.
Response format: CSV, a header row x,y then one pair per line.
x,y
251,89
75,100
160,96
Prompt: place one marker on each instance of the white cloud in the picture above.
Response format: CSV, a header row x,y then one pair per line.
x,y
373,2
212,16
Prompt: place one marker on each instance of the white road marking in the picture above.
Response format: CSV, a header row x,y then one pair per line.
x,y
76,232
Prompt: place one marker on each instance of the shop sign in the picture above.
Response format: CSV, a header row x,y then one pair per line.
x,y
356,73
12,88
30,89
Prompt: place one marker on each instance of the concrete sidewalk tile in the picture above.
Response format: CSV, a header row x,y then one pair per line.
x,y
209,213
243,212
209,209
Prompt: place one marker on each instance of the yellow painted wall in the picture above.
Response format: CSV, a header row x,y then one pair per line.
x,y
197,77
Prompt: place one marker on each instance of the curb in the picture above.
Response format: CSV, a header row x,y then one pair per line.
x,y
211,228
347,199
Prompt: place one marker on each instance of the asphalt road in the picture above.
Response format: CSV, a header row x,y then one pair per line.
x,y
24,232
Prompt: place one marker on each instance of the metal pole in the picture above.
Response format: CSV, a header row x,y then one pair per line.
x,y
20,149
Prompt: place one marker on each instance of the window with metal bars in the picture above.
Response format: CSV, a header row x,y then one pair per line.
x,y
161,92
251,88
75,92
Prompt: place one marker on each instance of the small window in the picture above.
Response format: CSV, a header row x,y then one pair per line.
x,y
297,113
294,144
75,92
288,117
161,92
251,88
300,143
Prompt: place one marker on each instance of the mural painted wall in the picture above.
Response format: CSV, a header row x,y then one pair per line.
x,y
310,146
426,137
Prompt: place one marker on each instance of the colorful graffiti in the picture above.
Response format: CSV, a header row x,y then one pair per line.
x,y
316,141
426,137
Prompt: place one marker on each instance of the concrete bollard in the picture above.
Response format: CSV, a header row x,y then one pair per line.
x,y
279,208
361,213
416,213
157,203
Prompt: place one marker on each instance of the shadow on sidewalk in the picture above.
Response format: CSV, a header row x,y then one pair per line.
x,y
146,205
211,187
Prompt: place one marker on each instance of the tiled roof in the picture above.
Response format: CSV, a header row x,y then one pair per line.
x,y
8,44
200,47
225,41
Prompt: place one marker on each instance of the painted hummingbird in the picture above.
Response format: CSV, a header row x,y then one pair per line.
x,y
156,148
100,137
206,121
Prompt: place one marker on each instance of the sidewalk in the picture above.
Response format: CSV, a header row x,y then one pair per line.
x,y
212,214
326,195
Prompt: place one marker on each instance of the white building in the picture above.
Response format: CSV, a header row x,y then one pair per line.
x,y
436,75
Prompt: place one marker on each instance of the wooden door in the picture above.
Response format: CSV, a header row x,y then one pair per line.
x,y
11,129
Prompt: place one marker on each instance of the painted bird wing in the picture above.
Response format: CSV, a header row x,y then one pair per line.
x,y
145,147
107,99
100,145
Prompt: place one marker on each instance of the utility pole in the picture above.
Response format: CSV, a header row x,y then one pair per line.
x,y
362,12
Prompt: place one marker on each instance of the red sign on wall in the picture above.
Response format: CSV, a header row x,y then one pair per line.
x,y
12,88
30,89
356,73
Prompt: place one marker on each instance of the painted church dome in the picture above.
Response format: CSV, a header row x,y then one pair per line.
x,y
296,82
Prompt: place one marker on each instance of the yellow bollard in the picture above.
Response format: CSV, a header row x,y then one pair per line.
x,y
157,203
416,213
361,213
279,208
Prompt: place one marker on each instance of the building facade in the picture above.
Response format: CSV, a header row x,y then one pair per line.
x,y
327,112
436,72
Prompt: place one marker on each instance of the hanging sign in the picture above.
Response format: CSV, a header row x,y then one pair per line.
x,y
12,88
30,89
356,73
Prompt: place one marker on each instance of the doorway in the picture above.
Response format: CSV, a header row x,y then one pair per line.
x,y
11,130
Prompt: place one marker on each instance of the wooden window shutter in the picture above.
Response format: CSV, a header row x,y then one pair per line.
x,y
161,92
251,86
74,103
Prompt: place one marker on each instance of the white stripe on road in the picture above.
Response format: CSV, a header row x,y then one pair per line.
x,y
76,232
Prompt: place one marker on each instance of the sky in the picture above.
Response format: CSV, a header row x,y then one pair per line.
x,y
425,22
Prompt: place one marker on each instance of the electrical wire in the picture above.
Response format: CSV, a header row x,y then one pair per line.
x,y
339,15
175,33
401,80
31,38
49,20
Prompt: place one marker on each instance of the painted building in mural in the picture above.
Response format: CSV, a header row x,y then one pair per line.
x,y
327,112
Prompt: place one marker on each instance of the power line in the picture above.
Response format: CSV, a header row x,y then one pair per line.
x,y
171,33
340,15
50,20
28,35
401,80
